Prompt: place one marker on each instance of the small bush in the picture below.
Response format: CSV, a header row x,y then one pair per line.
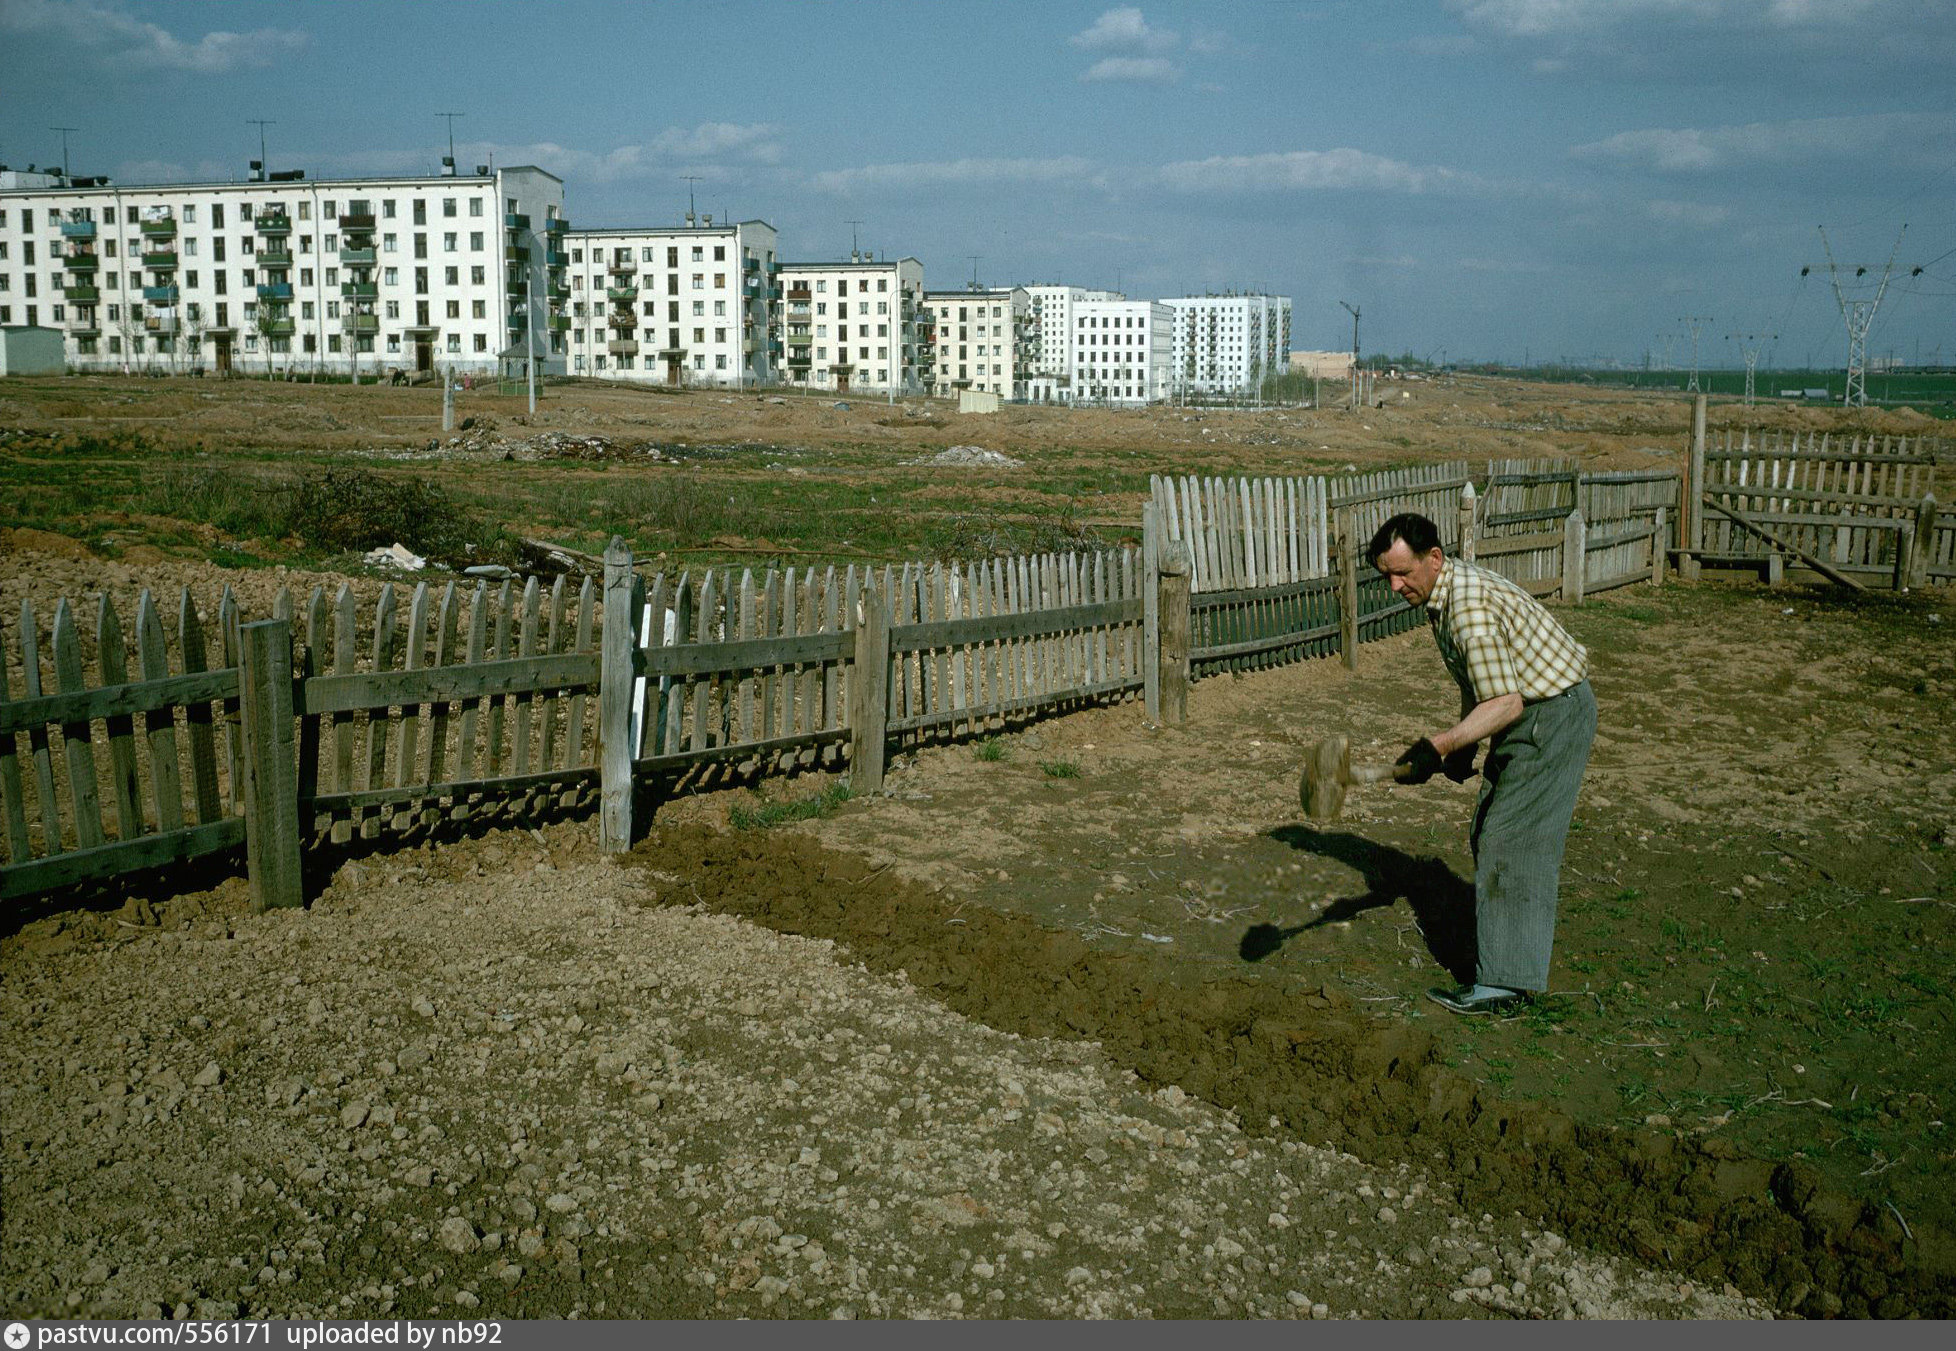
x,y
991,750
353,510
1060,769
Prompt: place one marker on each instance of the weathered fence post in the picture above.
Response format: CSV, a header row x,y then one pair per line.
x,y
1467,505
1575,556
615,677
1150,612
1691,518
869,695
447,399
1925,540
1775,568
1660,539
1347,594
1172,586
271,771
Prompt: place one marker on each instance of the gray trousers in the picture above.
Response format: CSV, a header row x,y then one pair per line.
x,y
1530,777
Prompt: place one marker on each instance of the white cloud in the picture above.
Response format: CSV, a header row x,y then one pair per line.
x,y
121,40
1124,29
1565,18
1144,69
1686,213
958,173
1702,149
1308,170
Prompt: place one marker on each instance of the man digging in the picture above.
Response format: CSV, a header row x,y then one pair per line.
x,y
1524,689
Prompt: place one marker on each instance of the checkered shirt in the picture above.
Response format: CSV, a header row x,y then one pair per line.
x,y
1497,639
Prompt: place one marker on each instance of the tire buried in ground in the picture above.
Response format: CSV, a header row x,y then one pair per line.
x,y
1329,1072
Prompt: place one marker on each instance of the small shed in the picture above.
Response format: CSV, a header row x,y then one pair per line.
x,y
31,350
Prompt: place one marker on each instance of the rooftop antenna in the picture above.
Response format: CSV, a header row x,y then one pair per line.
x,y
451,133
974,257
1859,316
1694,322
64,146
855,249
261,123
692,209
1749,349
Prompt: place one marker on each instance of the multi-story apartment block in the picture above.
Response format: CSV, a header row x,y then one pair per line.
x,y
694,304
1122,351
1228,344
980,338
853,325
1050,345
282,273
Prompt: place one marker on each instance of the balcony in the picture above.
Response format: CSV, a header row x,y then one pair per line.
x,y
558,323
162,323
161,262
160,295
356,257
275,326
800,360
623,295
622,267
799,295
277,290
559,294
556,225
273,225
800,339
275,258
84,326
622,347
359,290
357,222
515,220
82,295
160,229
78,229
622,319
362,323
81,262
516,253
554,258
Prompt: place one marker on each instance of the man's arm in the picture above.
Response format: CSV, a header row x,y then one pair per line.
x,y
1482,721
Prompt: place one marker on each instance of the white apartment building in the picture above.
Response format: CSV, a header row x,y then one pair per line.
x,y
682,305
282,273
1228,344
1122,351
1050,341
853,325
977,339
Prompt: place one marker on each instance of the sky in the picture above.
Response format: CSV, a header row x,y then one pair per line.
x,y
1503,180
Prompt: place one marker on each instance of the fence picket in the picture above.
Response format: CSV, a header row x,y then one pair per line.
x,y
76,737
159,724
232,652
466,745
12,799
124,785
496,714
407,767
525,700
37,736
446,625
379,720
197,719
345,659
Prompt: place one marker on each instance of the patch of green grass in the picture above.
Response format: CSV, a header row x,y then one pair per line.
x,y
768,814
1060,769
991,750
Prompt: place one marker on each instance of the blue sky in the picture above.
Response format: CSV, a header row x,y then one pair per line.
x,y
1487,178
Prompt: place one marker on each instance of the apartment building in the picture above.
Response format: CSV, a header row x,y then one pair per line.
x,y
1228,344
978,339
1050,338
854,325
1122,351
684,305
283,273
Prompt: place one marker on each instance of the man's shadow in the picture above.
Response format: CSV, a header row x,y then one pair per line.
x,y
1442,903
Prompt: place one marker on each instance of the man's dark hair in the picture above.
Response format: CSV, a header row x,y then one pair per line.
x,y
1420,535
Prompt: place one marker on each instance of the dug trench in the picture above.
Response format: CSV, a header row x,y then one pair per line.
x,y
1310,1064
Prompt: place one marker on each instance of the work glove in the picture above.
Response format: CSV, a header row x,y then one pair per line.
x,y
1459,765
1420,762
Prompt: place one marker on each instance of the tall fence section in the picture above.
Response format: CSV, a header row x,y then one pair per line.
x,y
332,720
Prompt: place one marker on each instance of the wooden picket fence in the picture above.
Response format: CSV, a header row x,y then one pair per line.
x,y
1860,508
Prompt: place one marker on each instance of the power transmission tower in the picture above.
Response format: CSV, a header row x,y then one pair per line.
x,y
1749,349
1859,316
1694,322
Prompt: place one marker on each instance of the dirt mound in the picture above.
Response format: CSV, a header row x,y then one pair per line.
x,y
1310,1060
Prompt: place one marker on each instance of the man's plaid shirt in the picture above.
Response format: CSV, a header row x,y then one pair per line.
x,y
1497,639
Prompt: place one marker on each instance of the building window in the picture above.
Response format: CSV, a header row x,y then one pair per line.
x,y
475,206
448,242
475,241
481,342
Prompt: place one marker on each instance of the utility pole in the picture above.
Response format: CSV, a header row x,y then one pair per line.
x,y
1749,349
451,135
1859,317
1694,322
1353,311
261,123
64,146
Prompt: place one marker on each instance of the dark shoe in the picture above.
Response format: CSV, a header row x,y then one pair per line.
x,y
1464,1000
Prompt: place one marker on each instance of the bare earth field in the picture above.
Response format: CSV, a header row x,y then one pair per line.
x,y
1091,1024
